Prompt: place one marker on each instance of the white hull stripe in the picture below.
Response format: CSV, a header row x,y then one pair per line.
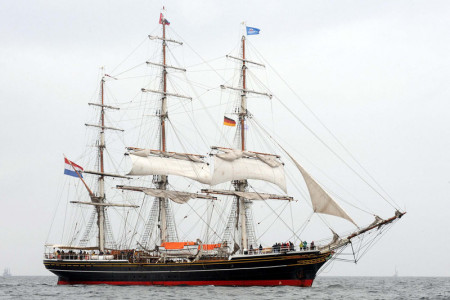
x,y
233,269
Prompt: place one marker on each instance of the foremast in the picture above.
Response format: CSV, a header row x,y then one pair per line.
x,y
241,185
243,221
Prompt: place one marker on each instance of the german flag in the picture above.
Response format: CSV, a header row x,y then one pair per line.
x,y
229,122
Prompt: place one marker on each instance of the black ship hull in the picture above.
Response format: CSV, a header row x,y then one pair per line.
x,y
295,269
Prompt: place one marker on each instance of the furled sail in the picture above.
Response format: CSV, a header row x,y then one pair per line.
x,y
185,156
178,197
194,169
175,196
248,195
321,201
235,164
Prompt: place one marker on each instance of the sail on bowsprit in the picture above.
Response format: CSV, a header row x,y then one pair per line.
x,y
202,215
321,201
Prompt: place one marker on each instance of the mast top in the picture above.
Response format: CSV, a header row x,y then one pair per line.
x,y
154,37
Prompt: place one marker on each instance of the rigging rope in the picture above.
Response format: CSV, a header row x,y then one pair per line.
x,y
132,52
394,205
276,142
278,215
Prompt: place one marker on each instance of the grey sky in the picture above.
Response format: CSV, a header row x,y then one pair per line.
x,y
376,72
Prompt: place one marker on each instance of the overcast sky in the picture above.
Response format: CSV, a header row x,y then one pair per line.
x,y
376,72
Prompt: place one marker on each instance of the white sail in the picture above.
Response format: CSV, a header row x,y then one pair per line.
x,y
156,165
321,201
238,165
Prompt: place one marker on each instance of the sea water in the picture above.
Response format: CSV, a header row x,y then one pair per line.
x,y
361,288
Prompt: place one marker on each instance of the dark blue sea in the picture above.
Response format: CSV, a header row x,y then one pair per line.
x,y
44,287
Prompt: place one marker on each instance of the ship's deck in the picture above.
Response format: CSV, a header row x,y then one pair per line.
x,y
136,258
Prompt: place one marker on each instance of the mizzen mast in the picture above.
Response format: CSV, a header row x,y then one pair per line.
x,y
98,199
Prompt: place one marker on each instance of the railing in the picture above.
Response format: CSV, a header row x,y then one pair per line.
x,y
85,256
135,256
279,249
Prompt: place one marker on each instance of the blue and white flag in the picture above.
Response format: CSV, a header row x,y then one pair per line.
x,y
252,30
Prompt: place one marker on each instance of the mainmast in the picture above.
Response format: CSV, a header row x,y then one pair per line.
x,y
163,114
162,184
161,181
101,180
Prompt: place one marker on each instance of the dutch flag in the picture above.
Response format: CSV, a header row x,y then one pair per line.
x,y
70,167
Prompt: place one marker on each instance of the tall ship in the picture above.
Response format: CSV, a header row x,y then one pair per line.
x,y
176,197
6,272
